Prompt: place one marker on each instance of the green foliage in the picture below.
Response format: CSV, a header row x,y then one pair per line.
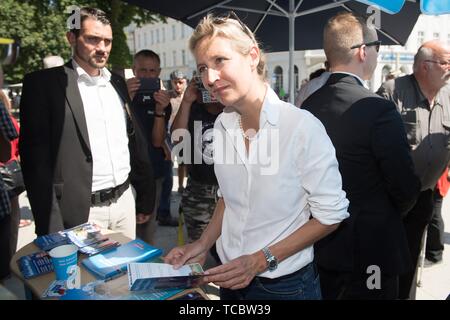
x,y
41,27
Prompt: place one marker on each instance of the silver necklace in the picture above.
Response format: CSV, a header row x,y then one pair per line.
x,y
243,133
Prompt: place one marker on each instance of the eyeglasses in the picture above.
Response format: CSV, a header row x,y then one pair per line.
x,y
442,63
376,44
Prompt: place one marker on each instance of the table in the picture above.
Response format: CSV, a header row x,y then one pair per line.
x,y
38,285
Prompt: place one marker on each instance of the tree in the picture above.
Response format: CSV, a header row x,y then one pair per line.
x,y
41,27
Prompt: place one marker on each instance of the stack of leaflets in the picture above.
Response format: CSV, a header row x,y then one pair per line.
x,y
114,262
114,290
35,264
87,237
145,276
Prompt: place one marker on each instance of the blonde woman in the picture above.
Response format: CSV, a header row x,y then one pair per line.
x,y
273,207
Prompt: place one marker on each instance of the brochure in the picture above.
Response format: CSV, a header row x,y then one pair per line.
x,y
115,290
114,262
83,235
144,276
35,264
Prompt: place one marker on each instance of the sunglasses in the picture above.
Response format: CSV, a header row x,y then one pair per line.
x,y
376,44
233,15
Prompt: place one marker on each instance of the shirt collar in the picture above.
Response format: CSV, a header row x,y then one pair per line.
x,y
102,79
363,83
269,112
421,97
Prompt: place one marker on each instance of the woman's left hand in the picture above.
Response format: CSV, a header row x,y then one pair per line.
x,y
236,274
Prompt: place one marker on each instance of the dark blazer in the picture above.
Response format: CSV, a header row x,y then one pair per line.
x,y
55,150
377,174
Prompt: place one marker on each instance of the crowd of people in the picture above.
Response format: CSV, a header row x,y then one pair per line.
x,y
327,199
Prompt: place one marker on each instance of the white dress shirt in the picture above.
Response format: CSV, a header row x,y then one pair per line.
x,y
363,83
310,87
269,195
106,125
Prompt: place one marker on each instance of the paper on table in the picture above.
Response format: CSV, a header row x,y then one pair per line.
x,y
159,275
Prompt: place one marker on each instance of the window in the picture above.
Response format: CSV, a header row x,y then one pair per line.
x,y
145,40
278,79
420,38
153,37
183,57
182,30
436,35
174,33
448,39
157,35
164,59
174,58
163,35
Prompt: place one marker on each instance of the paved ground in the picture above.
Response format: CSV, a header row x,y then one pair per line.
x,y
435,282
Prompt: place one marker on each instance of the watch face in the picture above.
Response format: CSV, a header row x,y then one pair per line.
x,y
273,264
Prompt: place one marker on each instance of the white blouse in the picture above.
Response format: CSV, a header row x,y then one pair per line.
x,y
289,174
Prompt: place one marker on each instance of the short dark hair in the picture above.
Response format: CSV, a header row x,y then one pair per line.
x,y
316,73
92,13
147,54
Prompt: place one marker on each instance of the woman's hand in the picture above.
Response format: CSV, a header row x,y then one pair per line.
x,y
190,253
236,274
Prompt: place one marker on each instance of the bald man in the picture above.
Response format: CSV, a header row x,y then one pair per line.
x,y
423,100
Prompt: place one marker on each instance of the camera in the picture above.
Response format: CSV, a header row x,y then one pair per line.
x,y
148,86
204,93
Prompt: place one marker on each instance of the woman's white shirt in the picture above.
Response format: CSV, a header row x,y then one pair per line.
x,y
289,174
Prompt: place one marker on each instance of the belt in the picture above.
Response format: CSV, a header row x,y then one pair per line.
x,y
108,196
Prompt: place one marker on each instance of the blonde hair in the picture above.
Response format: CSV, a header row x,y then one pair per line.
x,y
238,33
341,32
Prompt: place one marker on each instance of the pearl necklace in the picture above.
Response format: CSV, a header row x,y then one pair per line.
x,y
243,133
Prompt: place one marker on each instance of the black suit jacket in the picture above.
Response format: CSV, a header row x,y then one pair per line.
x,y
55,150
377,174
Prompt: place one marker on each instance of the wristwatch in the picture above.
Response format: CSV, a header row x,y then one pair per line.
x,y
272,261
159,115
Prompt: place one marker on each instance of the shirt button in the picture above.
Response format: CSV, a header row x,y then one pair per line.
x,y
88,159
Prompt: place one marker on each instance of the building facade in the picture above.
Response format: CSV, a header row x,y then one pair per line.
x,y
169,40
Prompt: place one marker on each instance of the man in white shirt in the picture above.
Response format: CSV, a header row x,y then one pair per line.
x,y
316,80
80,145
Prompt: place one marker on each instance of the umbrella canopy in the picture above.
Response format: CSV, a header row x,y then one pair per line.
x,y
288,25
432,7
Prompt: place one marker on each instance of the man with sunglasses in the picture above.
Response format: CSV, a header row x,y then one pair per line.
x,y
364,257
423,100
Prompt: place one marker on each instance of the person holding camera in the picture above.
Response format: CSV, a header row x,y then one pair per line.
x,y
152,106
280,187
194,124
80,145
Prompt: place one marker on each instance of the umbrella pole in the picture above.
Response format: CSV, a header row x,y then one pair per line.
x,y
291,49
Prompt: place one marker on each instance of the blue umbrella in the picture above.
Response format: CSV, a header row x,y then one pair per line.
x,y
432,7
